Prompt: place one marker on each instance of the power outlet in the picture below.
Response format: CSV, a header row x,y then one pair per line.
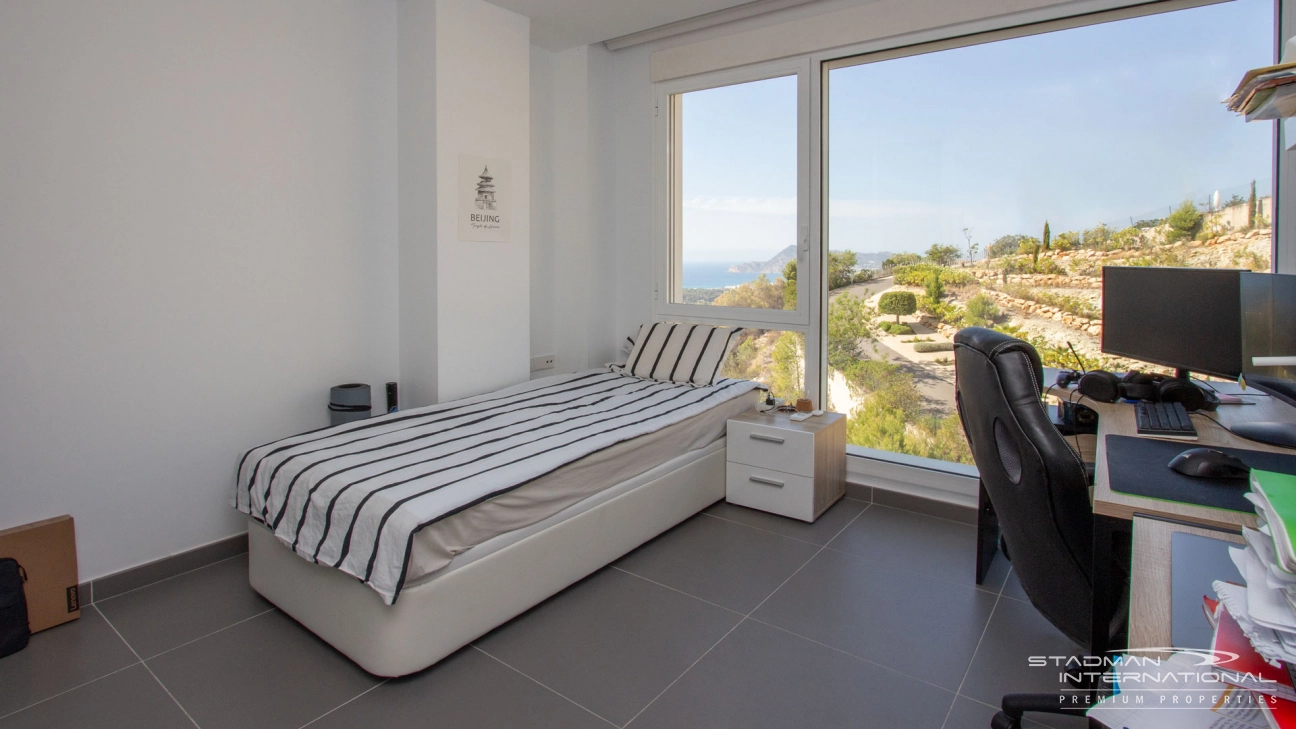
x,y
543,362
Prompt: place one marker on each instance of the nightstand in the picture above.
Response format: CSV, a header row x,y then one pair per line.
x,y
775,464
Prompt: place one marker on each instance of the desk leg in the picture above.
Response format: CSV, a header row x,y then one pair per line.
x,y
1106,530
987,534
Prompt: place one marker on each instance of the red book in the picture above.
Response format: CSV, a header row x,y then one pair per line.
x,y
1280,713
1249,670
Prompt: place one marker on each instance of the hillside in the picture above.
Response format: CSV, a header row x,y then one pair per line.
x,y
773,266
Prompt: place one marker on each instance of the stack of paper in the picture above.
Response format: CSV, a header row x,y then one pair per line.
x,y
1266,93
1265,607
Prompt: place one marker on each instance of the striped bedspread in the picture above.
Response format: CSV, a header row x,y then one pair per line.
x,y
354,496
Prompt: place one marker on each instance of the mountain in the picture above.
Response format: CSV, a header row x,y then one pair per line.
x,y
772,266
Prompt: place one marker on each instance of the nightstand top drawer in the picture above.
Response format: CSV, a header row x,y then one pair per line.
x,y
766,446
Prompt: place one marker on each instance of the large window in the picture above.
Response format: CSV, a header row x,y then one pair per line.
x,y
984,181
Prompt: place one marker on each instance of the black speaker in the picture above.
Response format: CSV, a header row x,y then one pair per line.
x,y
391,397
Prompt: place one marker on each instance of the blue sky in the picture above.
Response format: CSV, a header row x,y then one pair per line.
x,y
1094,124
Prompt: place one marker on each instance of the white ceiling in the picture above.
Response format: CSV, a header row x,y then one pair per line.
x,y
557,25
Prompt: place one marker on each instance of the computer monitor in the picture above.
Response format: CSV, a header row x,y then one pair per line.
x,y
1186,318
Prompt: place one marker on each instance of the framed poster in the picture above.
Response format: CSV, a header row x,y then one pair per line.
x,y
484,199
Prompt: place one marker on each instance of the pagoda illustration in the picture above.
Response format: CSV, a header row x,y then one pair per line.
x,y
485,190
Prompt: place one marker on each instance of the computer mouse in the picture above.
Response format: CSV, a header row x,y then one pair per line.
x,y
1209,463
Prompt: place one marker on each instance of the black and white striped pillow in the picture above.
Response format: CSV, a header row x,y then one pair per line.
x,y
673,352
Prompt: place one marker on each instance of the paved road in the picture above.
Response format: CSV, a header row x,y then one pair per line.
x,y
935,382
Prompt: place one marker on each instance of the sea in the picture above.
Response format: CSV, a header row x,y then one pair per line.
x,y
714,276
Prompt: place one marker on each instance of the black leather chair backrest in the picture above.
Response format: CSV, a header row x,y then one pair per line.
x,y
1036,482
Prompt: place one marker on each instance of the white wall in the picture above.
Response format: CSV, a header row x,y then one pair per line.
x,y
417,162
198,229
574,297
483,57
542,197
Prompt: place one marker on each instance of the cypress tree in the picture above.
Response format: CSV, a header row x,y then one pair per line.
x,y
1045,239
1251,207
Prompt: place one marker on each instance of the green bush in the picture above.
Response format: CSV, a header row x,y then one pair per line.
x,y
1184,222
982,310
935,289
916,275
898,303
934,347
891,327
864,275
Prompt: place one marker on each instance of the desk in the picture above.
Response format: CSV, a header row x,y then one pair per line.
x,y
1118,419
1150,568
1114,511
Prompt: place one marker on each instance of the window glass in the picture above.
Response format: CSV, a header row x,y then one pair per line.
x,y
735,194
988,185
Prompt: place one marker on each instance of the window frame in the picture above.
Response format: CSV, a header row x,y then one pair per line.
x,y
948,481
667,214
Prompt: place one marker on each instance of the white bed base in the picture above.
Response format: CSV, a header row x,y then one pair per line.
x,y
433,619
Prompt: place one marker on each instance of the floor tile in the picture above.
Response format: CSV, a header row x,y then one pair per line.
x,y
61,658
612,642
820,532
173,612
927,544
1012,587
969,714
127,699
918,625
759,676
725,563
1016,632
468,690
267,672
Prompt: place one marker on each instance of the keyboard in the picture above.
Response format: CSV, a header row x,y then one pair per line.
x,y
1164,420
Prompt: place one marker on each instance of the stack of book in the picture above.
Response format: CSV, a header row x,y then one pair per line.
x,y
1266,93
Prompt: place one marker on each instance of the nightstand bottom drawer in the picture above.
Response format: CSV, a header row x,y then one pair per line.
x,y
772,491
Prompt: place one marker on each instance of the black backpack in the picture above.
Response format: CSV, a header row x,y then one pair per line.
x,y
14,629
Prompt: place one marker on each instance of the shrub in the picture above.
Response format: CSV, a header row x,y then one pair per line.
x,y
1049,266
916,275
898,303
863,275
896,329
934,347
1184,222
982,310
935,290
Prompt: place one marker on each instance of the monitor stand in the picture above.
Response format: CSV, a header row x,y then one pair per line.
x,y
1279,434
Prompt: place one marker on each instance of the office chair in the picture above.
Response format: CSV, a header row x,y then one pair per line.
x,y
1036,485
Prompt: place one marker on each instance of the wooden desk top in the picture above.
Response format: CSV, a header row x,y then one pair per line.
x,y
1150,592
1118,419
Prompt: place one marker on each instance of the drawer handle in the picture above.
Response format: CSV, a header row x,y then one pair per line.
x,y
770,438
766,481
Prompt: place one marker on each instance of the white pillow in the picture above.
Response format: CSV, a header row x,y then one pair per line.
x,y
674,352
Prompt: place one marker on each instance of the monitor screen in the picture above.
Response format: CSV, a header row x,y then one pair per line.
x,y
1187,318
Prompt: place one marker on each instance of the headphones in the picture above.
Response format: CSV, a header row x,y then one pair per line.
x,y
1108,387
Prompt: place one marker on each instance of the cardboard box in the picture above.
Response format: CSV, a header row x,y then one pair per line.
x,y
47,552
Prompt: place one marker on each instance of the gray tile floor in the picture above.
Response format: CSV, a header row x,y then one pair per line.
x,y
735,618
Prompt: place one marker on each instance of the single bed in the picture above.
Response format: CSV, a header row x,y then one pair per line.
x,y
476,567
